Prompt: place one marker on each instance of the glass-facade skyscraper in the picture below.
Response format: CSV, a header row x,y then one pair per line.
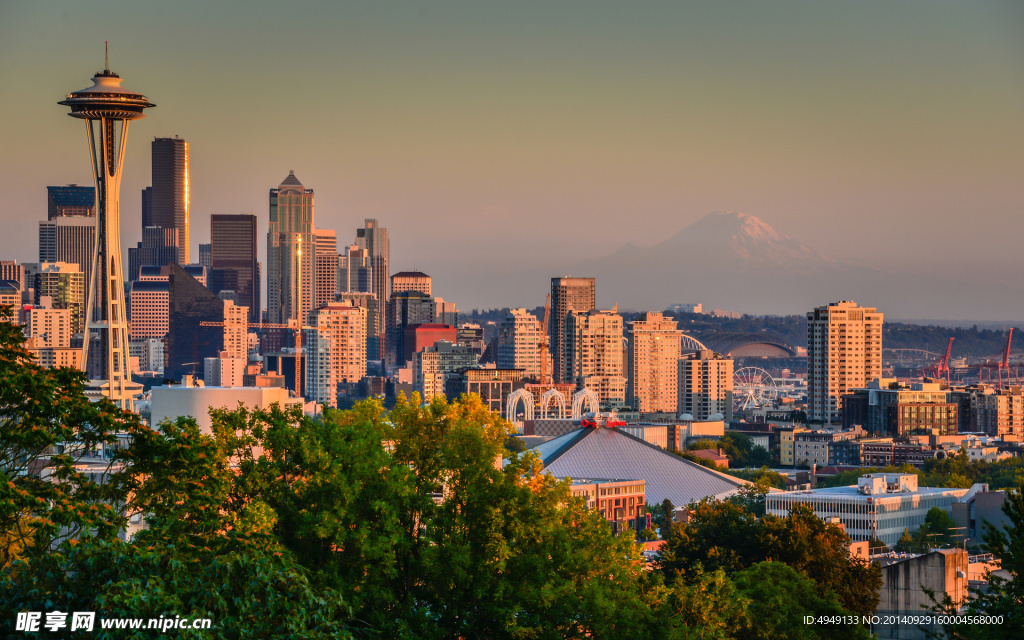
x,y
290,251
233,259
169,206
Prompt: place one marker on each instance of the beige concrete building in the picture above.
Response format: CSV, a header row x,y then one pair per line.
x,y
50,327
64,284
654,346
335,351
593,354
411,281
567,295
705,386
844,352
519,340
236,330
1000,413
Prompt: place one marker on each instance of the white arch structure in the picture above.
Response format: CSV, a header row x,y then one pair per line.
x,y
692,345
513,400
584,396
545,402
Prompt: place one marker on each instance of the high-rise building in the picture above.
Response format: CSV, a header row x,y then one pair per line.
x,y
434,363
336,347
170,200
150,301
472,335
368,301
654,347
567,295
519,343
410,281
291,255
70,200
355,271
106,108
844,352
204,255
373,238
593,354
445,312
406,309
159,248
51,328
325,267
11,270
189,341
147,207
70,239
64,284
233,264
705,386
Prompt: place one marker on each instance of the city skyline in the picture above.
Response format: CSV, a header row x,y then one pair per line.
x,y
867,134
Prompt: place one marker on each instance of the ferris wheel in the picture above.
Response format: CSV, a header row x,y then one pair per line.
x,y
751,388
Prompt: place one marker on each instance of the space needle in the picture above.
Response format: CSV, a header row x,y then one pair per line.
x,y
107,107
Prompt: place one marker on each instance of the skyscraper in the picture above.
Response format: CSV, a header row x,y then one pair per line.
x,y
70,239
336,348
593,354
374,239
654,346
567,295
189,343
233,259
844,352
406,309
519,340
104,106
355,271
64,284
705,386
290,252
159,248
170,200
70,200
325,268
411,281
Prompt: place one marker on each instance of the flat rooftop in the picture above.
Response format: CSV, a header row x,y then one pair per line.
x,y
852,492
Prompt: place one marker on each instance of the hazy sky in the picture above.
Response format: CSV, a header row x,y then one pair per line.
x,y
498,139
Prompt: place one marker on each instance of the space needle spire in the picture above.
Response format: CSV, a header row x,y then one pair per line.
x,y
107,107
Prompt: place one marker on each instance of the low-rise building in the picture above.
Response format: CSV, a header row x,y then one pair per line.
x,y
909,584
622,502
881,505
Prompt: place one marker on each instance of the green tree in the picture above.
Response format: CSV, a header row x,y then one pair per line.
x,y
46,425
727,536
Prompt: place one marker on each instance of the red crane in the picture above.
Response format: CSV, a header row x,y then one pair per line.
x,y
940,368
1005,363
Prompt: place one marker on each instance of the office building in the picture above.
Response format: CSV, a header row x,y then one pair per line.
x,y
653,381
148,354
493,386
373,239
149,299
49,327
355,270
224,370
519,343
411,281
420,336
593,354
70,239
233,260
189,341
64,285
170,196
10,297
844,352
471,335
823,447
70,200
368,301
999,412
406,309
445,312
205,258
882,505
11,271
434,363
325,267
147,207
291,255
705,386
336,351
567,295
159,248
888,408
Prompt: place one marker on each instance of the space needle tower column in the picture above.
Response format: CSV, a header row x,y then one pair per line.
x,y
107,108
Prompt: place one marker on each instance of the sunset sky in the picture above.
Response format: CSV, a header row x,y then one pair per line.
x,y
501,142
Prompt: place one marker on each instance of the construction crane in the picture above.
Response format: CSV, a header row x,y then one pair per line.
x,y
545,342
940,368
1005,362
293,325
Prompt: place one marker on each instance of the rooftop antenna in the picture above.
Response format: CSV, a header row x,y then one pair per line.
x,y
106,57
